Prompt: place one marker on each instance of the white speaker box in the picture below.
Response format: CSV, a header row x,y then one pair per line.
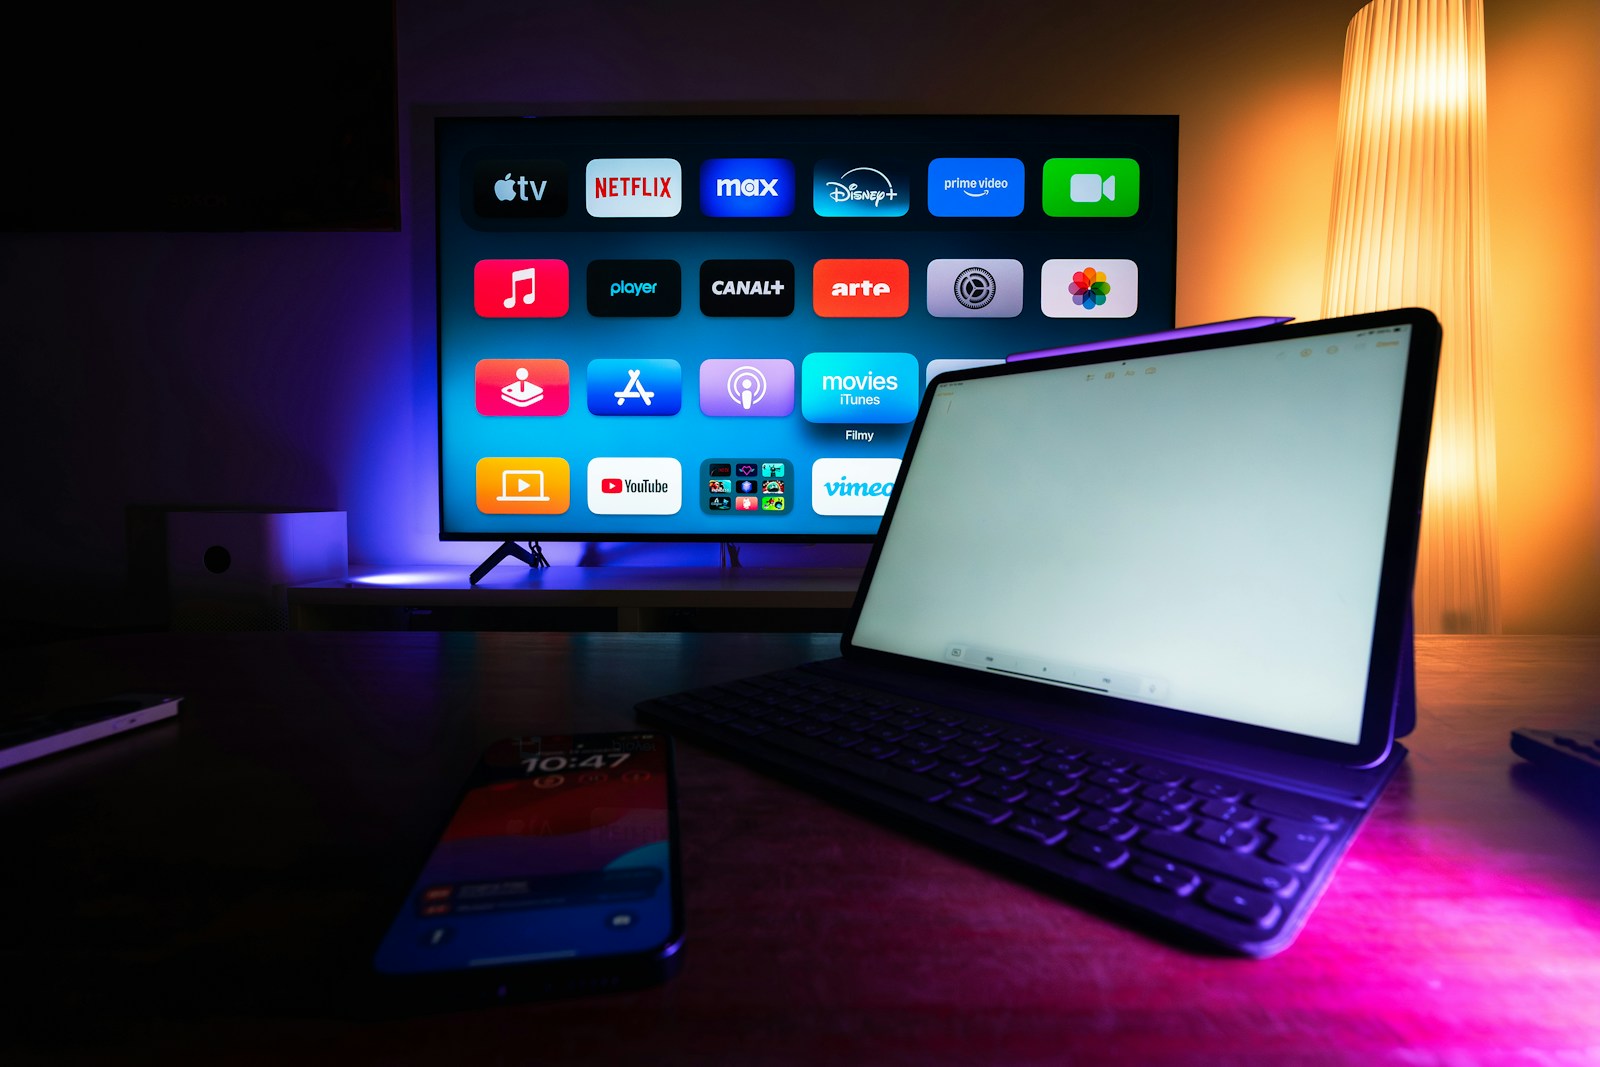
x,y
231,569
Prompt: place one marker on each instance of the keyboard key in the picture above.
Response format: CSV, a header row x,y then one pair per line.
x,y
1067,768
1295,845
854,723
1003,768
1169,796
1041,828
842,738
940,731
1069,749
1054,784
946,716
1103,798
1108,761
918,743
1051,807
1001,790
1113,826
978,742
959,754
1155,772
1230,811
1161,815
1215,787
1303,809
877,749
748,726
1121,783
1246,870
885,732
1097,850
1025,738
810,729
984,727
1226,835
915,785
1164,874
980,807
915,762
1017,754
954,775
1255,908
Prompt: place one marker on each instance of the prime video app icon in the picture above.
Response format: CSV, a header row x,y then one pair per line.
x,y
975,187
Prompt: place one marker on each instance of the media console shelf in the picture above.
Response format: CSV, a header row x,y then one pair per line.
x,y
615,598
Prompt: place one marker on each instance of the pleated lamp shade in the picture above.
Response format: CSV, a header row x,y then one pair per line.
x,y
1410,227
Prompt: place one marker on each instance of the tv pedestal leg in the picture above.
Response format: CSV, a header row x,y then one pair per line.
x,y
533,556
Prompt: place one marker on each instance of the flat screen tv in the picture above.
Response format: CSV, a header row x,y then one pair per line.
x,y
719,328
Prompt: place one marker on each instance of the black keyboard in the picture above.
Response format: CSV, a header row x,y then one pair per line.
x,y
1181,851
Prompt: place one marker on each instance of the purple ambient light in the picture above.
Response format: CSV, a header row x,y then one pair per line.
x,y
1225,326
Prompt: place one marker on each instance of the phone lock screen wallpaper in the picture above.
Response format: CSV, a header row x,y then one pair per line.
x,y
559,850
720,328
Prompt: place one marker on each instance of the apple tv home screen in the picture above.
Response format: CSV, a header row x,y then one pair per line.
x,y
720,328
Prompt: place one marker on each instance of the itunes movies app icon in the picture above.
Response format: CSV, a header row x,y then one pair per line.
x,y
747,387
519,288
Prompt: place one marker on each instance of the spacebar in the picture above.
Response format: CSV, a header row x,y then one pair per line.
x,y
839,759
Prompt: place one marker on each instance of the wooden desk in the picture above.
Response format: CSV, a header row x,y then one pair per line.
x,y
210,890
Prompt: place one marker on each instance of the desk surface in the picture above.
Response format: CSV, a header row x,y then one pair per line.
x,y
207,889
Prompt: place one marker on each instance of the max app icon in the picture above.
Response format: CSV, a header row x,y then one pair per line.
x,y
520,288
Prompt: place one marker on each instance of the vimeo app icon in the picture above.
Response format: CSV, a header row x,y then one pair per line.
x,y
975,187
747,188
872,387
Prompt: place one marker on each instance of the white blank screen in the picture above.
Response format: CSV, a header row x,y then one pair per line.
x,y
1205,528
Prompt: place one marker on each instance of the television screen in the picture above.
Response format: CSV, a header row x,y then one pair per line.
x,y
719,328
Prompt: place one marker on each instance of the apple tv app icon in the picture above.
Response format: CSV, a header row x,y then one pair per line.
x,y
519,188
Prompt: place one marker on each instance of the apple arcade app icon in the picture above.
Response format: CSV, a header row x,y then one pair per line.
x,y
746,486
634,386
975,288
746,288
504,188
635,288
860,189
635,485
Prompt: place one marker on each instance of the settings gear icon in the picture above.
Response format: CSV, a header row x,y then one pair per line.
x,y
975,288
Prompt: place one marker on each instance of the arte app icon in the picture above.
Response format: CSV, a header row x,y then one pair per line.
x,y
1091,187
523,485
521,386
747,387
634,386
861,288
520,288
1089,288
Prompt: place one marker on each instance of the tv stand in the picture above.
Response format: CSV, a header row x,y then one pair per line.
x,y
533,556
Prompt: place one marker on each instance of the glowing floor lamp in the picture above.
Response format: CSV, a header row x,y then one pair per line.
x,y
1410,227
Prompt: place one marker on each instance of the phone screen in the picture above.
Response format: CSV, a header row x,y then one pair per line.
x,y
560,850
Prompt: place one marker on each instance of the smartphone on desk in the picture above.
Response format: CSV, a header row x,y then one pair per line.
x,y
557,875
